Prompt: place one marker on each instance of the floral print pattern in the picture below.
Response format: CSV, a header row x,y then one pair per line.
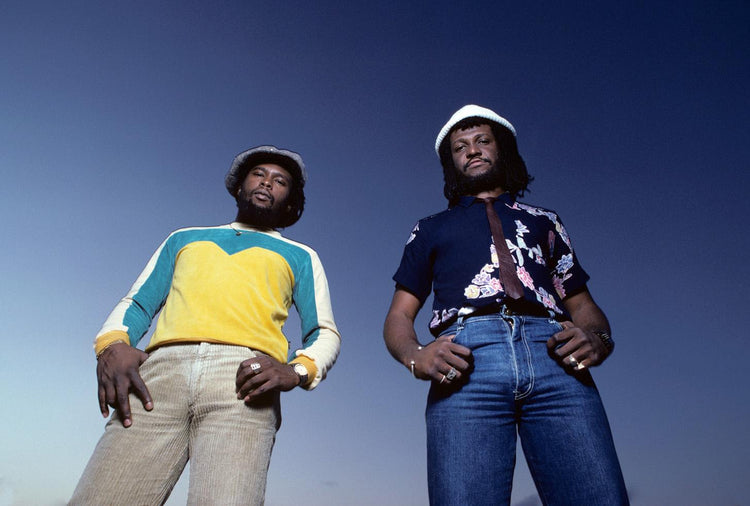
x,y
446,255
485,285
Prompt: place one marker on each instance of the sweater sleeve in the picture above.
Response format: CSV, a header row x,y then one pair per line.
x,y
131,318
321,340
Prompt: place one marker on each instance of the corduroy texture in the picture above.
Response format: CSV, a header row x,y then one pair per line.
x,y
197,415
471,111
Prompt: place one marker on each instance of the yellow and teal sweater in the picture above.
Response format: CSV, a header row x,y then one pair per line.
x,y
213,285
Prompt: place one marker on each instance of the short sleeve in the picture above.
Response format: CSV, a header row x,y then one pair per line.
x,y
415,271
566,272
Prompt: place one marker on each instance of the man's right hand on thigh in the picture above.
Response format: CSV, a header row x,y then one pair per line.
x,y
118,374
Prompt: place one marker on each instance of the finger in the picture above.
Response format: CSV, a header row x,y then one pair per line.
x,y
110,394
248,386
460,350
447,337
258,390
571,361
458,363
244,373
570,347
103,407
451,375
122,405
564,334
566,325
559,338
122,401
444,346
141,390
566,341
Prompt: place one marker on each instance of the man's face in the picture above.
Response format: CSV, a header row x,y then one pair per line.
x,y
474,150
266,186
262,197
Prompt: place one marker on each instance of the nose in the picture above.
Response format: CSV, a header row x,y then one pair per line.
x,y
266,181
473,150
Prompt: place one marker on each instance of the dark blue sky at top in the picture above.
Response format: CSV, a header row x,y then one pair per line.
x,y
118,122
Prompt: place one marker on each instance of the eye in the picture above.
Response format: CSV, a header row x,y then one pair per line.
x,y
458,148
281,182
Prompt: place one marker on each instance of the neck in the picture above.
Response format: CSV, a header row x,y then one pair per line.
x,y
489,194
253,223
258,218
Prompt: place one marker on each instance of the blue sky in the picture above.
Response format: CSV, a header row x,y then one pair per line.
x,y
119,121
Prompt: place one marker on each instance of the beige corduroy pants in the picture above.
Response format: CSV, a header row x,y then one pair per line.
x,y
196,417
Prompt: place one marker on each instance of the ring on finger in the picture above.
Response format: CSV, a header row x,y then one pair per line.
x,y
442,380
580,366
572,361
451,374
255,366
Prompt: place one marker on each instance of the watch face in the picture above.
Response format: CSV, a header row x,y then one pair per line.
x,y
301,371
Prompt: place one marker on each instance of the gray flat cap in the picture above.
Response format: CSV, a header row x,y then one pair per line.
x,y
290,160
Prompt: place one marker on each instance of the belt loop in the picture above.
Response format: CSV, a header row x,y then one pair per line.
x,y
460,323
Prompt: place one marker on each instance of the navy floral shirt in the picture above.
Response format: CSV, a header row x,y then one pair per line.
x,y
452,254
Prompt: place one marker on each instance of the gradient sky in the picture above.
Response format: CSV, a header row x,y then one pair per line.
x,y
118,122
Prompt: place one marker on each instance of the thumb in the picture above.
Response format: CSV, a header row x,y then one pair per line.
x,y
449,337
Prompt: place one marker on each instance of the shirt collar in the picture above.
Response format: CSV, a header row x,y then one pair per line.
x,y
468,200
243,227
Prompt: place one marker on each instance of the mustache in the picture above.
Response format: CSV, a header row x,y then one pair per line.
x,y
466,165
266,194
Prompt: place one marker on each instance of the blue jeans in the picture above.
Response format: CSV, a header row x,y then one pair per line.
x,y
516,385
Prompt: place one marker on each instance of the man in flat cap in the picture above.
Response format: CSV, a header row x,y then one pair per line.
x,y
207,387
515,332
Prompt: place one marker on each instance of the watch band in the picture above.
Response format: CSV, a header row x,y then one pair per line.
x,y
606,340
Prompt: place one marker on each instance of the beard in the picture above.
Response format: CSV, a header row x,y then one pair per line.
x,y
493,178
258,217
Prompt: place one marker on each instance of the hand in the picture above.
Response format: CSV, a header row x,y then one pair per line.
x,y
118,375
262,374
577,348
435,361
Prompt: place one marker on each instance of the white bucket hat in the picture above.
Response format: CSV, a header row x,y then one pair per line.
x,y
471,111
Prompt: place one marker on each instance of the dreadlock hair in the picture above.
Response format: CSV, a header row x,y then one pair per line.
x,y
515,175
296,203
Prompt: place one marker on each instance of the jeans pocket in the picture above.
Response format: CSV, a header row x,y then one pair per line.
x,y
454,330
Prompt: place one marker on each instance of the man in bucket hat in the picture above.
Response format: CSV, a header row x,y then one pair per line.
x,y
207,387
516,331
